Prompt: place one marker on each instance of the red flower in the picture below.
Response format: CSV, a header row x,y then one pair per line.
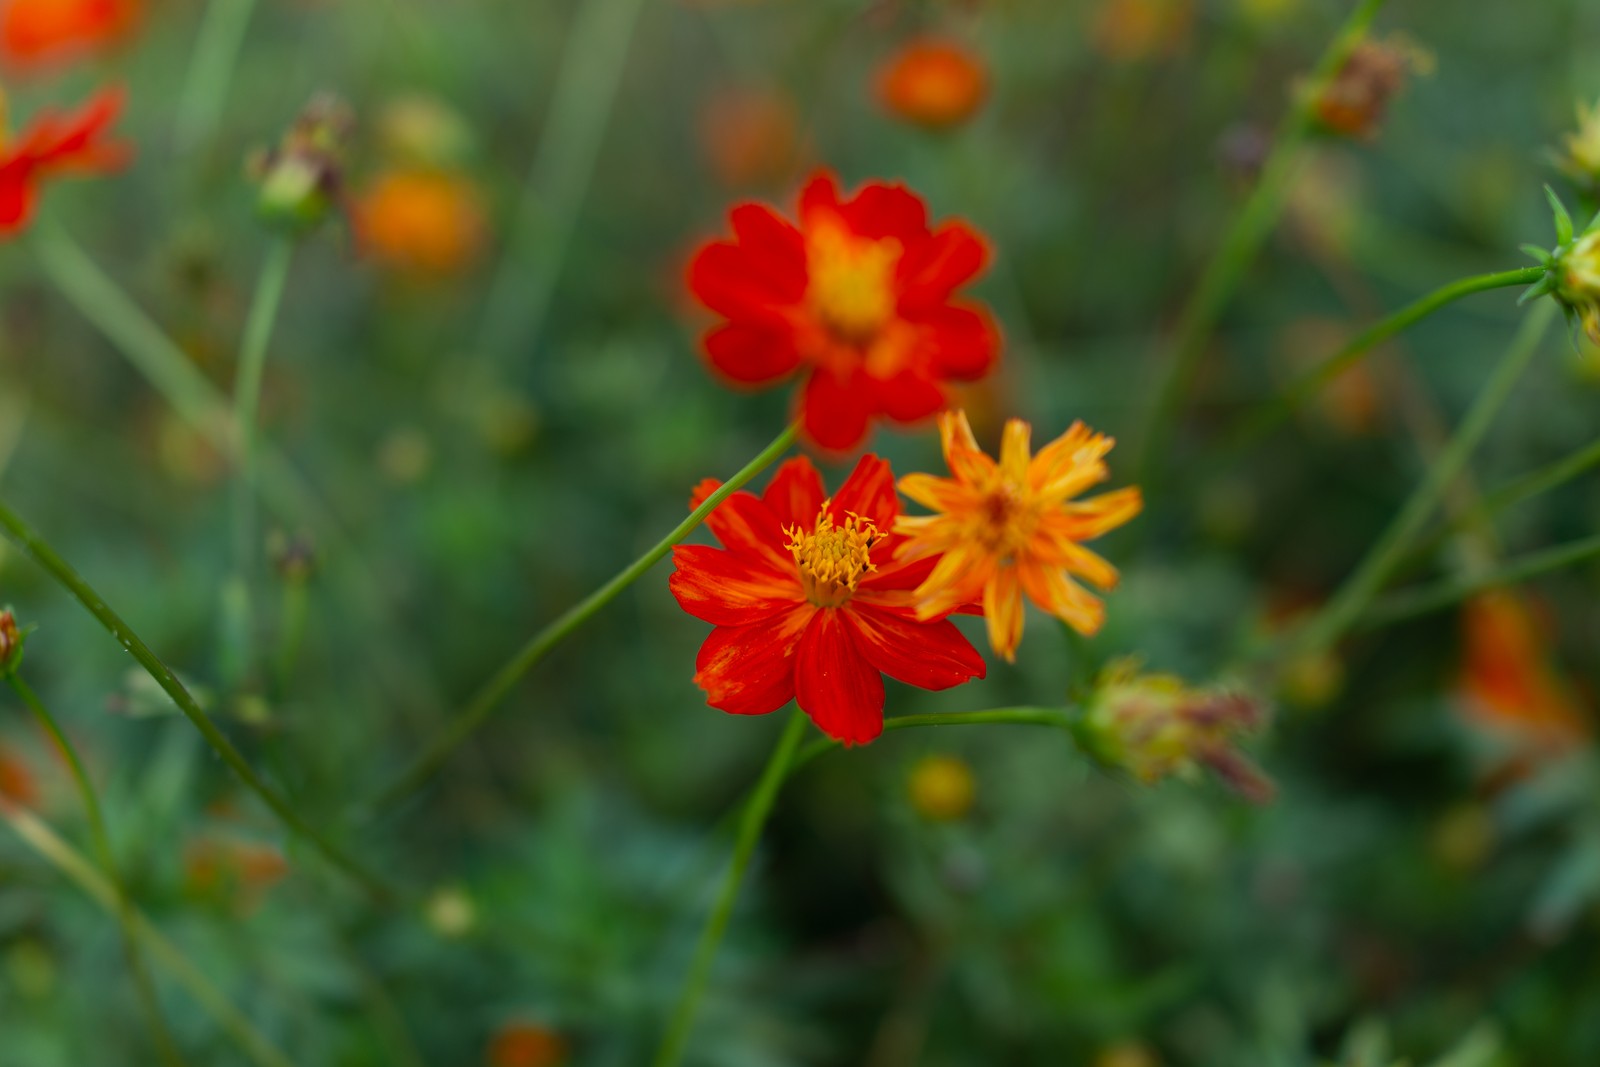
x,y
56,143
810,603
861,293
32,31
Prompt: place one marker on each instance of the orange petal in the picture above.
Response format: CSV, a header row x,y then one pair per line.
x,y
937,494
1052,590
1014,451
1002,608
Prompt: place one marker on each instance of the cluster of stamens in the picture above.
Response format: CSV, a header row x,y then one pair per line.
x,y
851,287
832,558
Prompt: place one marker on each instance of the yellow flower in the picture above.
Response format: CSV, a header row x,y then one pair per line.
x,y
942,788
1582,159
1012,528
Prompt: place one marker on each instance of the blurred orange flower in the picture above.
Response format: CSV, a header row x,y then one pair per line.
x,y
1507,677
1012,528
526,1045
16,780
34,31
750,136
427,222
1138,29
55,143
239,872
933,82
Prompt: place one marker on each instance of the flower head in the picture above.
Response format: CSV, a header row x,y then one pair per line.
x,y
860,293
54,144
1358,97
942,788
17,785
1154,727
750,136
1581,160
301,178
37,31
1507,677
933,82
521,1044
812,603
422,221
1130,30
1014,527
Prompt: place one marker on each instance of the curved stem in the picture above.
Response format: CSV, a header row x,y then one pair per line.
x,y
495,689
1313,381
37,549
1409,603
1336,617
45,841
238,636
750,825
148,1000
211,64
1243,240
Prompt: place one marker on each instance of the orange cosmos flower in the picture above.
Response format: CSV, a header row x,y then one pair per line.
x,y
422,221
54,144
16,781
812,603
33,31
527,1045
861,293
1507,676
933,82
1011,528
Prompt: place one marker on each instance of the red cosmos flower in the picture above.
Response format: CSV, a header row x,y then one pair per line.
x,y
32,31
56,143
810,604
860,292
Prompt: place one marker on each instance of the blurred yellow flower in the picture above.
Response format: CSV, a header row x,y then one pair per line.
x,y
942,788
1582,157
1138,29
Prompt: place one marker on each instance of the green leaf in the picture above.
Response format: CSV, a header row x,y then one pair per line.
x,y
1537,254
1563,220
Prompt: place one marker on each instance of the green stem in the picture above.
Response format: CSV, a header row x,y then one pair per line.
x,y
69,862
1409,603
238,627
211,66
1243,240
1336,617
1313,381
750,826
524,282
1029,716
495,690
149,1002
41,553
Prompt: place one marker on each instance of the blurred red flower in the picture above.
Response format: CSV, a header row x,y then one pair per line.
x,y
1508,677
861,293
32,31
810,603
56,143
933,82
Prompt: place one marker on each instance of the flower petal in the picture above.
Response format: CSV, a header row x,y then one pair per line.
x,y
937,494
868,492
910,396
725,589
961,452
1014,451
733,282
795,494
880,210
834,682
1002,607
960,576
746,526
750,670
928,655
962,341
1052,590
774,243
931,270
752,354
835,408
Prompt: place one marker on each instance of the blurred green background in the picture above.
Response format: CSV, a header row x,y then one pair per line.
x,y
494,440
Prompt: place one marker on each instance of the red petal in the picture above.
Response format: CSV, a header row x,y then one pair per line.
x,y
776,245
931,270
16,197
835,409
737,283
835,684
750,670
868,492
745,525
821,193
726,589
910,396
963,341
795,493
880,210
928,655
750,353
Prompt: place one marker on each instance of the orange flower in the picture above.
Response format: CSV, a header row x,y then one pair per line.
x,y
55,143
16,781
1507,677
1358,97
526,1045
422,221
1135,29
1011,528
750,136
933,82
33,31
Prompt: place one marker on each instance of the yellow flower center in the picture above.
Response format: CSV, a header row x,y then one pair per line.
x,y
851,279
1005,520
832,558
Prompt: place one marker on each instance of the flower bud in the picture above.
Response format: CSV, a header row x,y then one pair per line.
x,y
1581,158
1154,726
301,180
10,643
1356,100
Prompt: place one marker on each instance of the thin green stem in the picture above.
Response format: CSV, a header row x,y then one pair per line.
x,y
211,65
238,624
546,219
37,549
1337,616
1314,380
148,1001
751,824
1243,240
1410,603
1021,716
47,843
501,683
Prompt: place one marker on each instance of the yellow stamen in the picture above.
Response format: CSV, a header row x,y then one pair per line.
x,y
851,279
832,558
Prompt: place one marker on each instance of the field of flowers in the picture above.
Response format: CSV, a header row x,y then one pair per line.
x,y
793,533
